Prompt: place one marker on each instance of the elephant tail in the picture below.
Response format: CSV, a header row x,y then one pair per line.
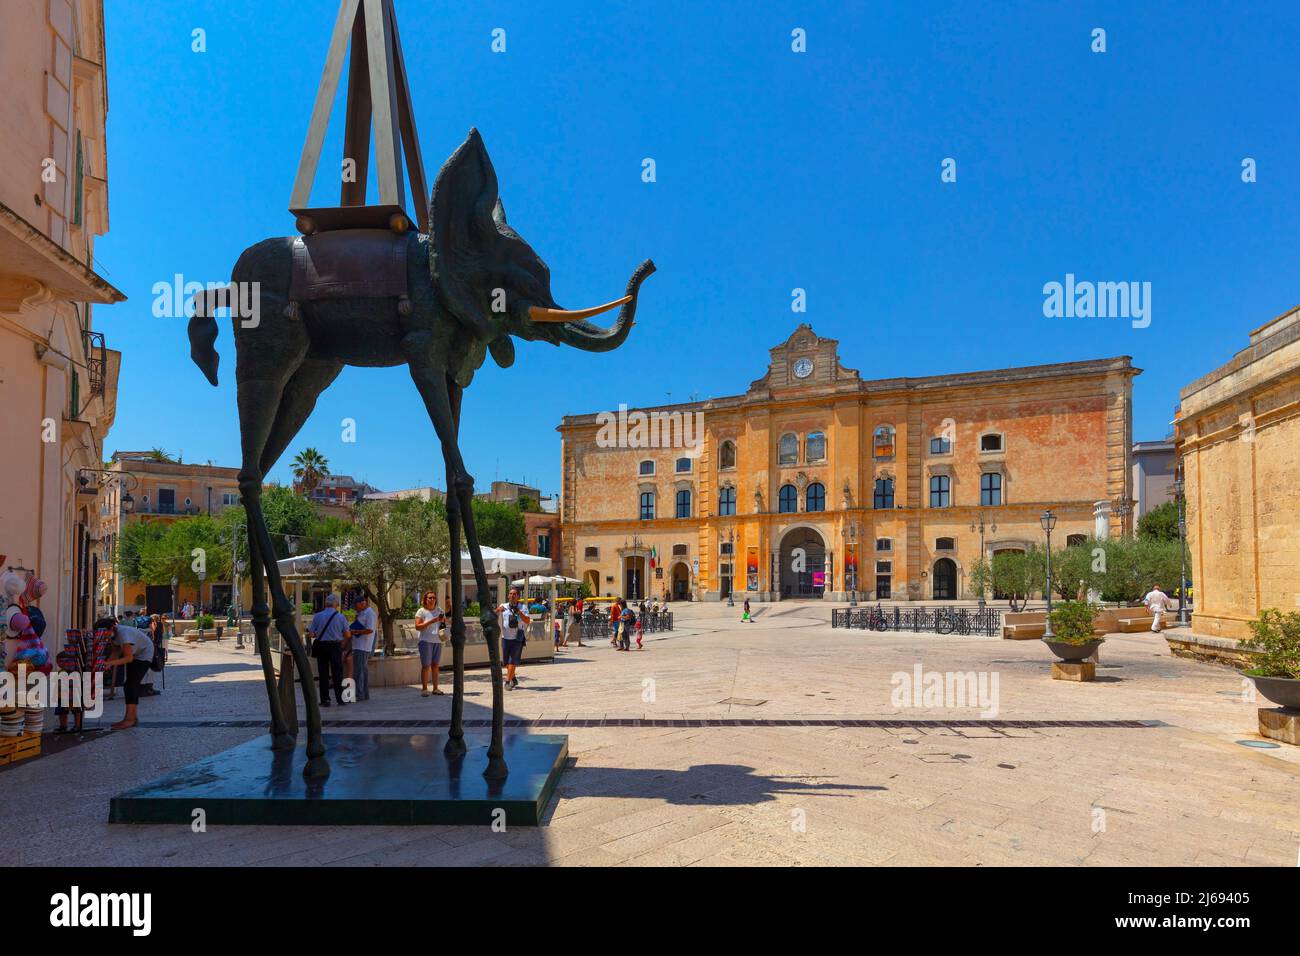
x,y
203,336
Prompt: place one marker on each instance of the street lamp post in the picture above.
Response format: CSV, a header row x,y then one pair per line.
x,y
1179,497
175,582
993,528
1048,521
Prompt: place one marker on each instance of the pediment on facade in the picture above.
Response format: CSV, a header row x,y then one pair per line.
x,y
804,360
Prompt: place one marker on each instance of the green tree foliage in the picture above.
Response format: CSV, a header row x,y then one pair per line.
x,y
499,524
1276,635
1011,575
1160,523
186,547
135,538
389,544
1072,622
1121,570
309,467
285,514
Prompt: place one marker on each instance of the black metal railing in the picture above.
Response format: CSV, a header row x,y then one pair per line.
x,y
984,621
597,624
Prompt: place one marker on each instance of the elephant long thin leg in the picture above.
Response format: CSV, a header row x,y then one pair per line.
x,y
281,739
317,766
456,732
435,389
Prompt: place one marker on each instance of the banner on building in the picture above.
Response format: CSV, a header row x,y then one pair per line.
x,y
751,569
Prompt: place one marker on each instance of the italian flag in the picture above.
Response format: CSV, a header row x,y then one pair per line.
x,y
654,554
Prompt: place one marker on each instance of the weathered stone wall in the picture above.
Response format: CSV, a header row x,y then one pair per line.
x,y
1066,433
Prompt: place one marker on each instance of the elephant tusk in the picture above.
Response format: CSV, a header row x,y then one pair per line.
x,y
539,314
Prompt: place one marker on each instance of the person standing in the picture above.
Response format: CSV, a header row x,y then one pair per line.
x,y
133,650
430,622
626,622
514,620
615,620
363,645
328,631
1157,602
744,617
576,625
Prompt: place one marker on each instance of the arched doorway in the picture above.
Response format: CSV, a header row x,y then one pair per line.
x,y
634,582
803,564
592,580
944,578
681,578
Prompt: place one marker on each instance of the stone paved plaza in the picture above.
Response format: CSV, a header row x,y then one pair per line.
x,y
1172,787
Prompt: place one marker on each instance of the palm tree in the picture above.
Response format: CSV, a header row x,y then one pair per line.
x,y
159,454
309,467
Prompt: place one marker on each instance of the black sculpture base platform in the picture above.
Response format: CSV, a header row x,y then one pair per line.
x,y
375,780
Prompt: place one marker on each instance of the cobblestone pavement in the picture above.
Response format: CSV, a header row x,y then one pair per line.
x,y
913,785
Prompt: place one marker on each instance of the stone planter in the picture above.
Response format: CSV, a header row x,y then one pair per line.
x,y
1283,691
1072,652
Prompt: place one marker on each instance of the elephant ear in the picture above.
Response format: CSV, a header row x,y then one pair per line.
x,y
503,351
463,230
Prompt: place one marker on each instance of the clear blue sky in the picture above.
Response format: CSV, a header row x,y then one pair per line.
x,y
776,170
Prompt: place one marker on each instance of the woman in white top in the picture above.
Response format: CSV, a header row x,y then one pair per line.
x,y
429,623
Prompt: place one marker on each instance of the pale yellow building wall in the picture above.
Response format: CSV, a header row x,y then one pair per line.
x,y
1239,440
51,75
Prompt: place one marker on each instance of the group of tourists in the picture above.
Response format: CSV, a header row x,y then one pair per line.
x,y
343,650
623,622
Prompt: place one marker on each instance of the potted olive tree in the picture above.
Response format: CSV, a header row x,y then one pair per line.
x,y
1072,635
1276,638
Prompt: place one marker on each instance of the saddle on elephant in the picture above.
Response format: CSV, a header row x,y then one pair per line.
x,y
349,263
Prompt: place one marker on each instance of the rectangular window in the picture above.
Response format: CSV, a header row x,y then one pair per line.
x,y
543,545
229,498
990,488
940,446
883,587
884,567
990,442
884,544
166,501
939,491
647,506
591,554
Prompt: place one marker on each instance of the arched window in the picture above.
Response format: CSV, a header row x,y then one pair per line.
x,y
727,455
788,500
884,493
682,466
647,505
646,467
990,488
814,448
882,442
815,497
683,503
727,502
787,451
940,491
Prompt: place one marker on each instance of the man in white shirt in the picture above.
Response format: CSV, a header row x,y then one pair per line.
x,y
363,645
1157,603
513,612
